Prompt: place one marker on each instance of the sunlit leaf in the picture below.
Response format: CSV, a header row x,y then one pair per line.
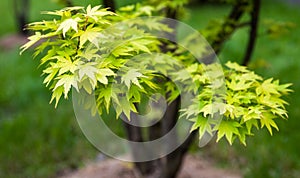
x,y
227,129
67,81
132,77
68,24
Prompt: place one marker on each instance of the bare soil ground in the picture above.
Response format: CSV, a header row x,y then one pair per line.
x,y
11,41
193,167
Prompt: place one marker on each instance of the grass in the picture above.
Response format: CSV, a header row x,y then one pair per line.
x,y
8,24
37,140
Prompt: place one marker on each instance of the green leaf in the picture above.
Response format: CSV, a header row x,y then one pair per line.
x,y
250,124
107,94
149,83
213,108
134,94
284,88
140,46
68,24
280,112
67,81
239,85
267,88
192,110
62,11
56,94
147,10
271,101
123,51
49,56
51,71
227,129
73,8
66,65
43,26
88,70
182,75
96,12
254,112
128,8
242,135
132,77
267,121
203,125
32,40
124,107
207,110
91,35
86,84
236,67
102,74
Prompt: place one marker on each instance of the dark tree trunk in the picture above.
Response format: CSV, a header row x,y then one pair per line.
x,y
174,160
134,133
21,10
169,165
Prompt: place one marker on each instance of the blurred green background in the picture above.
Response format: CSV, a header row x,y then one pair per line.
x,y
37,140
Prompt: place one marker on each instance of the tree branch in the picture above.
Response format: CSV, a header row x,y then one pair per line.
x,y
110,4
229,26
253,32
243,24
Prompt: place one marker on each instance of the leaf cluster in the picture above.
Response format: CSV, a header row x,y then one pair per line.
x,y
84,49
249,102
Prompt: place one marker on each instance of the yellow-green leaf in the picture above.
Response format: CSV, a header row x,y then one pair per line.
x,y
68,24
227,129
267,121
66,81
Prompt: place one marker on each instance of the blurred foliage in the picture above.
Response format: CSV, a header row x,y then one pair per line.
x,y
276,29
